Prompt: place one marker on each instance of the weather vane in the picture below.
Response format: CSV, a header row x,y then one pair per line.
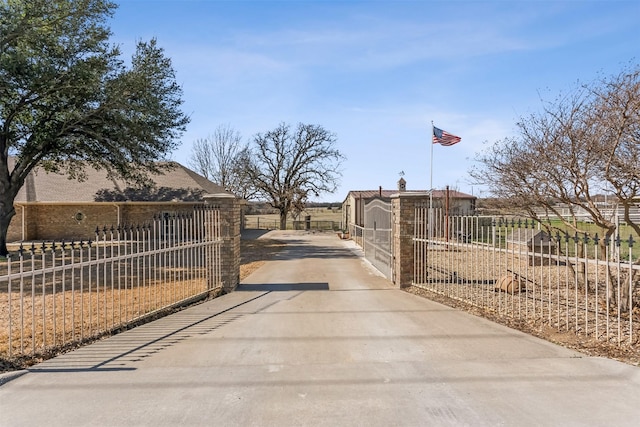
x,y
401,173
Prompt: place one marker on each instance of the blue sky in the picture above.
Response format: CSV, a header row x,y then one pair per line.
x,y
377,73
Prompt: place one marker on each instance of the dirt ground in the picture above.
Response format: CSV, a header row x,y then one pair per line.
x,y
254,253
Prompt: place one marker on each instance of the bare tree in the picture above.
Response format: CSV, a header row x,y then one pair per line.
x,y
617,113
583,144
244,187
287,166
576,148
219,158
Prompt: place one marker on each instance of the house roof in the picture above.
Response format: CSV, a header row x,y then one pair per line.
x,y
369,194
176,184
385,194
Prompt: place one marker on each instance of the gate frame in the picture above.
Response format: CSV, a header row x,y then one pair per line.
x,y
368,228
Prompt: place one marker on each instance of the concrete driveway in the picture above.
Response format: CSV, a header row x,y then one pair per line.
x,y
316,337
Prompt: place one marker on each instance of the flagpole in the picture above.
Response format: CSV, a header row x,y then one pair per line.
x,y
431,171
431,190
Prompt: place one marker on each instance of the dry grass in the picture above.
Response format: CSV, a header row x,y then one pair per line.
x,y
102,308
555,303
254,253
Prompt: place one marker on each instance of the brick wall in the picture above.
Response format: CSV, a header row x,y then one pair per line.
x,y
403,207
79,221
229,207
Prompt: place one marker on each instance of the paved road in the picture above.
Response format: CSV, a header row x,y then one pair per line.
x,y
316,337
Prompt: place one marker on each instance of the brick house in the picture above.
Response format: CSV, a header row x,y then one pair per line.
x,y
52,207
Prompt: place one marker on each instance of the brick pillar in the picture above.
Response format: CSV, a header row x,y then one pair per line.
x,y
229,207
403,213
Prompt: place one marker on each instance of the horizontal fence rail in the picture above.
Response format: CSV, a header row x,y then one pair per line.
x,y
356,234
53,294
260,223
322,225
581,283
267,223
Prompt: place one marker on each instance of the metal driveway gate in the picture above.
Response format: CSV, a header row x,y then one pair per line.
x,y
377,241
54,294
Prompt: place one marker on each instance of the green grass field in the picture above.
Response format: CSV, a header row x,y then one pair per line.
x,y
591,230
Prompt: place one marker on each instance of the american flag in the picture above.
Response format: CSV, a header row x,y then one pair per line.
x,y
443,137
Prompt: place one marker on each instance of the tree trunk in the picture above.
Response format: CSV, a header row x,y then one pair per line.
x,y
6,213
283,220
612,296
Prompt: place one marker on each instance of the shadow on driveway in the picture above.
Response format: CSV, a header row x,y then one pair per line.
x,y
283,287
251,234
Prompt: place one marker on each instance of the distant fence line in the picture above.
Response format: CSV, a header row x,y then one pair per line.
x,y
269,223
56,293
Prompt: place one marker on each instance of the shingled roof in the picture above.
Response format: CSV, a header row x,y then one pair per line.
x,y
176,184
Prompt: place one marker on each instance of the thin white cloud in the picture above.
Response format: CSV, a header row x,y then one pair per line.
x,y
385,42
384,45
377,73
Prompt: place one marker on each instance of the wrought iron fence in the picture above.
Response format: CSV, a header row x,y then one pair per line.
x,y
56,293
584,283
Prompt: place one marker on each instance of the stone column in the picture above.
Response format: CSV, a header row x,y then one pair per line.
x,y
229,207
403,213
